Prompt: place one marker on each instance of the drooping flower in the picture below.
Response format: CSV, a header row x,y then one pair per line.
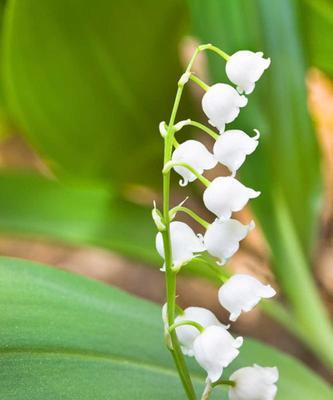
x,y
214,349
232,147
245,67
241,293
254,383
184,243
196,155
187,334
226,195
221,104
222,238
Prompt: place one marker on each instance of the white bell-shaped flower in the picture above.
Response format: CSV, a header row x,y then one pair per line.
x,y
196,155
226,195
187,334
184,243
221,104
222,238
241,293
214,349
232,147
254,383
244,68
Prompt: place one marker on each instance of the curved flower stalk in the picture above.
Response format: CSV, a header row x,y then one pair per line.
x,y
196,331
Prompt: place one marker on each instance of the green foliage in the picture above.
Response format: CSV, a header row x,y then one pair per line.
x,y
88,83
65,337
317,18
75,213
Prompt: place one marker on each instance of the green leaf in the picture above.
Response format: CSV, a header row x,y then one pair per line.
x,y
317,21
286,166
89,82
79,214
65,337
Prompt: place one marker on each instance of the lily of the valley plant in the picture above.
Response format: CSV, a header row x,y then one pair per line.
x,y
195,331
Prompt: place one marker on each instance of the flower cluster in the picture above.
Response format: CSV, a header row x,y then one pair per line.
x,y
200,334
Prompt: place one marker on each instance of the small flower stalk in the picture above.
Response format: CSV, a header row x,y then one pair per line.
x,y
196,332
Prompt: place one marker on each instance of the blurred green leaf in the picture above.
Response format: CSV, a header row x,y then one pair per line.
x,y
79,214
89,82
65,337
286,166
317,20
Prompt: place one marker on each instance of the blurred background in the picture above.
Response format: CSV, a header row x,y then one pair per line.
x,y
83,88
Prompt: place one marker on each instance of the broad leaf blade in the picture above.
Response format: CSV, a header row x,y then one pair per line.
x,y
78,214
89,82
67,337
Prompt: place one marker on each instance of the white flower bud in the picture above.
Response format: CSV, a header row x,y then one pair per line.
x,y
222,238
226,195
244,68
232,147
254,383
242,293
214,349
186,333
166,326
221,104
165,316
184,78
184,243
157,218
196,155
163,128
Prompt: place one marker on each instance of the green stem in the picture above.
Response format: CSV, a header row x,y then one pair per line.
x,y
199,82
221,273
191,213
204,128
170,275
224,382
186,322
175,143
215,50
